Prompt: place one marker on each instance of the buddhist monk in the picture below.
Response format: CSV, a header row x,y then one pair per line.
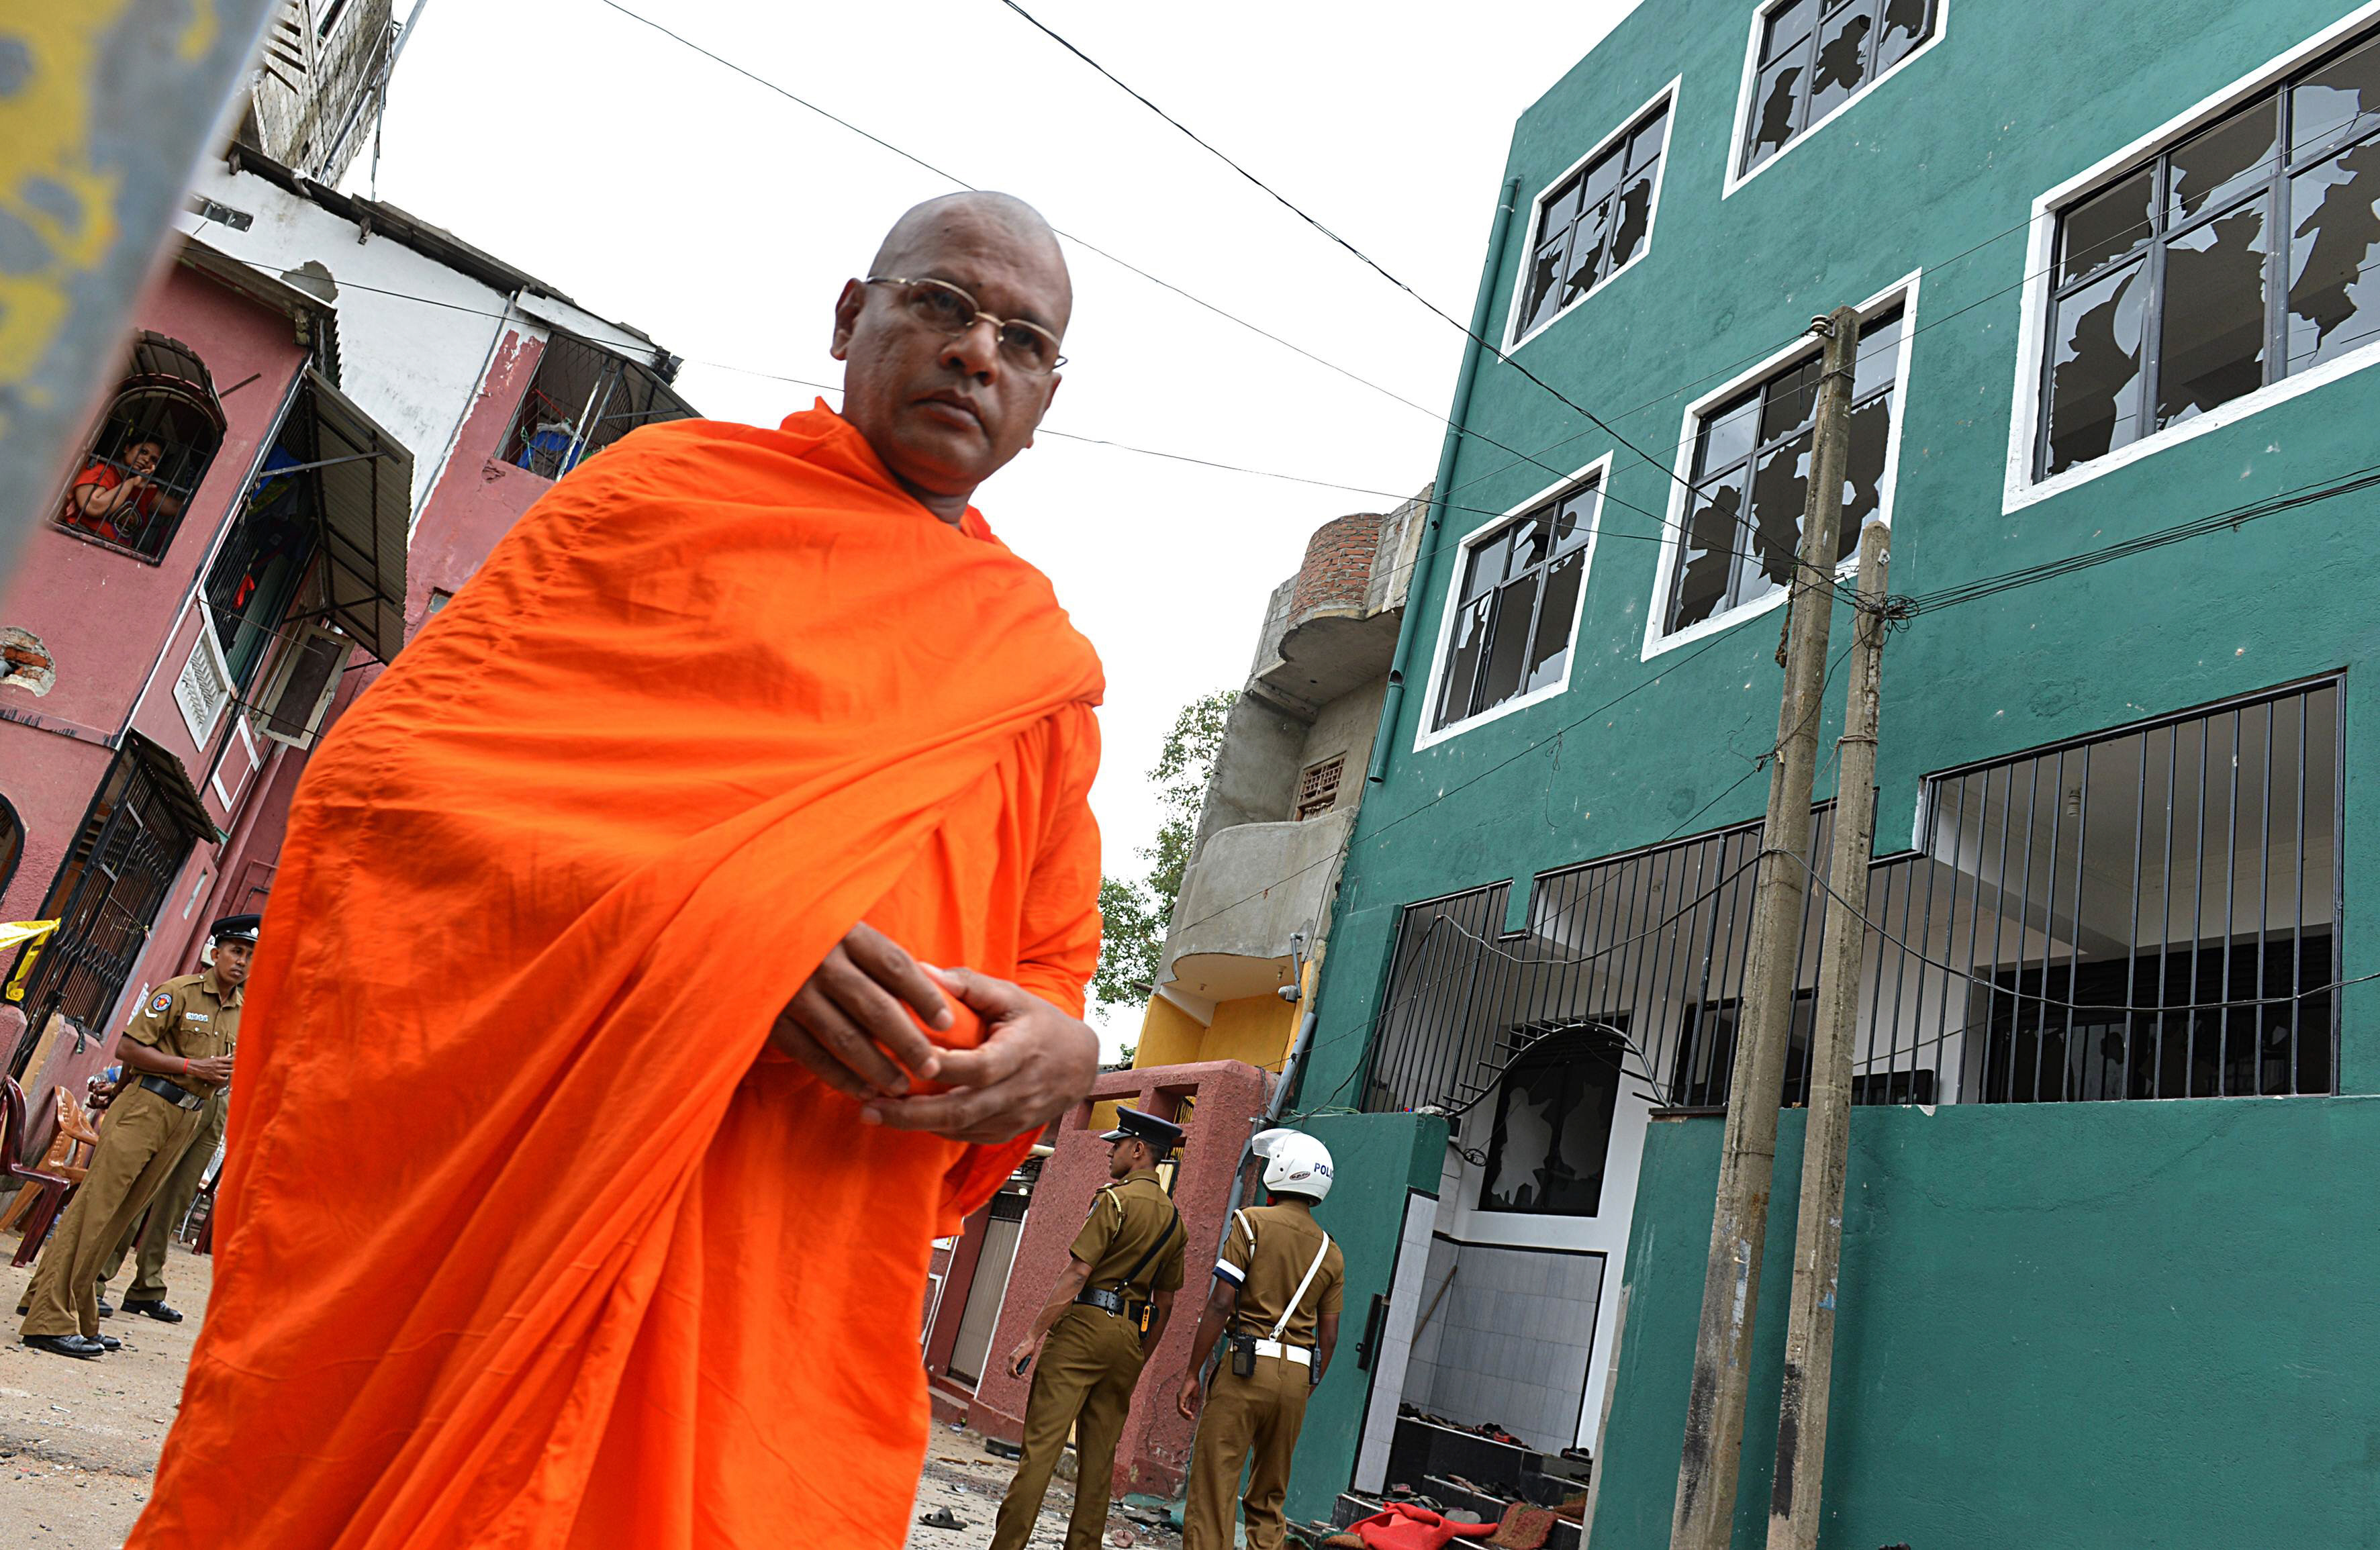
x,y
689,927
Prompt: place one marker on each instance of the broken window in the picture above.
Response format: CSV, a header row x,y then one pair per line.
x,y
2148,912
1812,57
1751,478
582,399
1553,1124
1514,607
1596,220
152,448
2163,306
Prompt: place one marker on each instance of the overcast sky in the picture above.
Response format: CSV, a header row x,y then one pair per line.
x,y
660,188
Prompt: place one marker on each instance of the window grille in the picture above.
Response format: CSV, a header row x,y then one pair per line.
x,y
2228,260
1514,607
1317,789
150,453
581,400
1813,58
2148,912
1595,223
1752,473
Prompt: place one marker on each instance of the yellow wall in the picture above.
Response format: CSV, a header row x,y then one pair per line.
x,y
1257,1029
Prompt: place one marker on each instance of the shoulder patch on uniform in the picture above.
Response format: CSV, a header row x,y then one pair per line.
x,y
160,1001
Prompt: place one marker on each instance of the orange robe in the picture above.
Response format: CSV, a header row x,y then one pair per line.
x,y
526,1239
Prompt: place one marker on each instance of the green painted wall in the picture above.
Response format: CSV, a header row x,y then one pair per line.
x,y
2062,1326
1936,170
1375,1159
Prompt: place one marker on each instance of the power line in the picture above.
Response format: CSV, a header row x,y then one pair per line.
x,y
1359,254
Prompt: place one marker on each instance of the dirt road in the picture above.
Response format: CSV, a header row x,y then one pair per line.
x,y
78,1440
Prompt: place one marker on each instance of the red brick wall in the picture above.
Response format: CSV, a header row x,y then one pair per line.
x,y
1338,568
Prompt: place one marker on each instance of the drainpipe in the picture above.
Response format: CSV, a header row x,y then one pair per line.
x,y
1427,552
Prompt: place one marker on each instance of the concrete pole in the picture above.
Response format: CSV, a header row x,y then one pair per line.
x,y
105,108
1826,1145
1704,1519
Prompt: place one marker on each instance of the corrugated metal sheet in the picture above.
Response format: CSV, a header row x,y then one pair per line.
x,y
367,505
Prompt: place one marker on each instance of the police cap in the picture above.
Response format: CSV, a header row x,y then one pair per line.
x,y
1163,1135
236,928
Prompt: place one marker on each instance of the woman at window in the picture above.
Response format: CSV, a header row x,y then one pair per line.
x,y
119,503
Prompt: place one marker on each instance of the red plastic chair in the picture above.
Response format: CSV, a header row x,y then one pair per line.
x,y
48,1191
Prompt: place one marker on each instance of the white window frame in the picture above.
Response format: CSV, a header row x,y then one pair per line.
x,y
2020,488
1902,292
1599,472
1737,177
1514,339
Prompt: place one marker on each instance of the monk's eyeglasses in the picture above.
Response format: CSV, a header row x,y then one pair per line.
x,y
948,309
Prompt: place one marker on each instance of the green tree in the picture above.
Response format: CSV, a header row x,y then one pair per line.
x,y
1135,912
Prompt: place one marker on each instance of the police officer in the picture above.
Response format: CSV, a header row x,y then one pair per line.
x,y
154,1232
1277,1294
1123,1270
178,1053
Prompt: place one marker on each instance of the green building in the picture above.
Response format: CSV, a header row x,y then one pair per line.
x,y
2109,1265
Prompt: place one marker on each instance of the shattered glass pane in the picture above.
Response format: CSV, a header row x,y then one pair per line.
x,y
1907,23
2212,346
1645,143
1508,642
2106,226
1530,539
2095,374
1879,357
1708,550
2335,97
1544,290
1788,25
1841,66
1572,526
1776,100
2224,161
1463,662
2334,244
1864,470
1792,399
1726,433
1486,565
1586,265
1780,491
1551,651
1634,222
1601,179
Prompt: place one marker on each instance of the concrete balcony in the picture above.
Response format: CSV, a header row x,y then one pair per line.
x,y
1253,885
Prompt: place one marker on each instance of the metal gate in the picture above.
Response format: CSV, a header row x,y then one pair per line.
x,y
142,823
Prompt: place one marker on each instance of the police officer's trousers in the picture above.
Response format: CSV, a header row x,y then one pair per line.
x,y
166,1212
139,1142
1082,1380
1258,1415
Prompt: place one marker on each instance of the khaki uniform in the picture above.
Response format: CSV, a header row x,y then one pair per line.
x,y
141,1142
1259,1414
154,1231
1083,1378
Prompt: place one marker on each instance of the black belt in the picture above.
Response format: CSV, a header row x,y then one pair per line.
x,y
180,1097
1110,1301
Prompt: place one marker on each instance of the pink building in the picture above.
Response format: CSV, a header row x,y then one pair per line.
x,y
288,480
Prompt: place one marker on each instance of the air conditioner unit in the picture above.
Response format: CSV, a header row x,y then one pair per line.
x,y
304,680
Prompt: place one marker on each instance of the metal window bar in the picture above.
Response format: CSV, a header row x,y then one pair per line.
x,y
2147,912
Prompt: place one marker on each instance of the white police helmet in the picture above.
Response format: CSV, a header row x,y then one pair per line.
x,y
1295,1163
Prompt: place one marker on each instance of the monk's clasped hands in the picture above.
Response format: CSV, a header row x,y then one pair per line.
x,y
850,1026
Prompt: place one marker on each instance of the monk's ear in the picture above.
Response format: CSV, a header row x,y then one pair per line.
x,y
846,317
1047,397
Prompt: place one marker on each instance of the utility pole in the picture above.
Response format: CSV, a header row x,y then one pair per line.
x,y
108,109
1704,1515
1826,1145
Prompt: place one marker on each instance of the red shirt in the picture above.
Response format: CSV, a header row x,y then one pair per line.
x,y
105,475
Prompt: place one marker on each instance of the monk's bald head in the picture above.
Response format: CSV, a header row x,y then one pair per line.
x,y
975,217
941,399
